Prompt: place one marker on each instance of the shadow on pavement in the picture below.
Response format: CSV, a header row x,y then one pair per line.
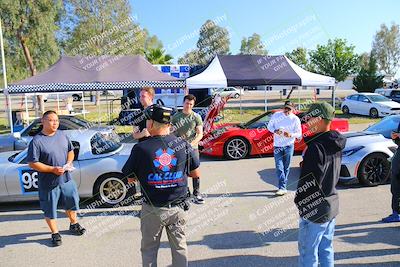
x,y
269,176
26,238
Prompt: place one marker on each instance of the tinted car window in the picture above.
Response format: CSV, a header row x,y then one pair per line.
x,y
378,98
386,126
353,97
362,98
101,144
396,94
34,128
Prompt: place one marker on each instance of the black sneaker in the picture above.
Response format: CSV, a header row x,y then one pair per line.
x,y
56,239
77,229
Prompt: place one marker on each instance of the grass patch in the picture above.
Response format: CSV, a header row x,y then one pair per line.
x,y
229,115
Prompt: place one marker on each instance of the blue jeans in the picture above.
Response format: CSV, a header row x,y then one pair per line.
x,y
283,157
316,243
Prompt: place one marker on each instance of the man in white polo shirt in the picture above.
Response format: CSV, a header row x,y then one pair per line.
x,y
286,127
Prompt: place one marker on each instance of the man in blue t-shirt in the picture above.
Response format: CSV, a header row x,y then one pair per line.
x,y
51,153
162,164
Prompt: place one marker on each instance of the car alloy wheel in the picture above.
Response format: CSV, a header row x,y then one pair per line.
x,y
112,190
345,110
236,95
236,148
374,170
373,113
76,97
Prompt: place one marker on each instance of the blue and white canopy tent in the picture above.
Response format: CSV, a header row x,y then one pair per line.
x,y
252,70
99,73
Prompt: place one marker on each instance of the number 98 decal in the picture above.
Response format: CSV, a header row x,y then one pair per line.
x,y
29,181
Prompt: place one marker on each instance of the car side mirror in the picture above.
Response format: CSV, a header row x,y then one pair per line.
x,y
17,135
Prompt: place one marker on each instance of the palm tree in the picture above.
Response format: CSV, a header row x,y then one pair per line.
x,y
158,56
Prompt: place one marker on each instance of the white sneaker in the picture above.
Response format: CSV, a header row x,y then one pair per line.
x,y
280,192
199,199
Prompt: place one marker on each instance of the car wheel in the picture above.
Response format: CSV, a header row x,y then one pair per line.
x,y
236,95
374,170
236,148
345,110
76,97
373,113
111,189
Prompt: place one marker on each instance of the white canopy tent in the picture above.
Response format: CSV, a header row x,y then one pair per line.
x,y
253,70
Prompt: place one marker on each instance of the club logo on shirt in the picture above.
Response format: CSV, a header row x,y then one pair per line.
x,y
165,159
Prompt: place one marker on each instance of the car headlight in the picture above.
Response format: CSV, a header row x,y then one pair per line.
x,y
350,152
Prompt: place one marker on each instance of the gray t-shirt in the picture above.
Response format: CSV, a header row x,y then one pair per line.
x,y
53,151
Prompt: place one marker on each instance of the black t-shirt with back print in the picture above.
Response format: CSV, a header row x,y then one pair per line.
x,y
162,165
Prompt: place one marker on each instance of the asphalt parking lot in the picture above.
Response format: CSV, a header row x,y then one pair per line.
x,y
241,224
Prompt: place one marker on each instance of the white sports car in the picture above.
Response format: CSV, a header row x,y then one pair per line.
x,y
98,161
367,153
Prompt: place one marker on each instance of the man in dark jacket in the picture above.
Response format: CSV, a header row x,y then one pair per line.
x,y
316,195
395,182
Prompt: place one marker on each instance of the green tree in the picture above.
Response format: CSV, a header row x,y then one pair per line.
x,y
158,56
103,28
368,78
29,36
213,40
191,58
152,42
299,57
29,30
386,48
364,60
253,46
336,59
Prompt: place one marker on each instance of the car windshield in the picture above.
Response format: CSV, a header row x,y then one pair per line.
x,y
17,157
80,122
386,126
378,98
258,122
102,144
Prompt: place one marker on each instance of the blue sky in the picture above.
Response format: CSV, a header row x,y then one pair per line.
x,y
283,25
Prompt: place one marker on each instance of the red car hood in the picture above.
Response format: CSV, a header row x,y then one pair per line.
x,y
217,104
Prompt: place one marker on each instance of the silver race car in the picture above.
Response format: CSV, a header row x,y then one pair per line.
x,y
98,161
366,157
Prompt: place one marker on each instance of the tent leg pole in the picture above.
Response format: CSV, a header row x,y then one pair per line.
x,y
265,99
58,102
240,102
98,109
298,98
9,109
83,105
26,109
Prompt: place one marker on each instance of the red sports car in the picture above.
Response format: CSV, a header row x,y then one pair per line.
x,y
236,141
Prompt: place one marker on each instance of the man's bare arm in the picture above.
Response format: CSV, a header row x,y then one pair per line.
x,y
199,136
41,167
70,156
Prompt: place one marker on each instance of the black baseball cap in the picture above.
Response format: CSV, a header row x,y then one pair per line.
x,y
158,113
289,104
